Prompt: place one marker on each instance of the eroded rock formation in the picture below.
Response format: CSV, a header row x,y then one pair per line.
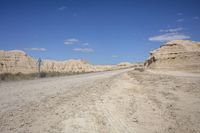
x,y
16,61
181,55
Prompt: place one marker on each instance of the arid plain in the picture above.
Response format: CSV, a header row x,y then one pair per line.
x,y
163,96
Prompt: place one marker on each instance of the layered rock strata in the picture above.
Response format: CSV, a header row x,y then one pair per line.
x,y
16,61
183,55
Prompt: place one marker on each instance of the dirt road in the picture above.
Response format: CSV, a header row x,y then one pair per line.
x,y
123,101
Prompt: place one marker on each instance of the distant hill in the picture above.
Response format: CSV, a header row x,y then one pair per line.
x,y
16,61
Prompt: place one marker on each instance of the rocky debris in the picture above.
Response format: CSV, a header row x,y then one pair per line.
x,y
181,55
16,61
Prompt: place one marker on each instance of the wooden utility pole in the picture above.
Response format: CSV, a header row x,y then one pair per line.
x,y
39,63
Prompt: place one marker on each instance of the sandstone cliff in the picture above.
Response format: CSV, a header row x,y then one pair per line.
x,y
16,61
181,55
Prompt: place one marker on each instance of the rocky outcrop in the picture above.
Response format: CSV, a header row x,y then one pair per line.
x,y
66,66
181,55
16,61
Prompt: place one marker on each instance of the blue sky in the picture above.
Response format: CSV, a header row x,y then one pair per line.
x,y
100,31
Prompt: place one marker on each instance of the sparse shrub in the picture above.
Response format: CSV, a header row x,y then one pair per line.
x,y
4,76
139,69
43,75
22,76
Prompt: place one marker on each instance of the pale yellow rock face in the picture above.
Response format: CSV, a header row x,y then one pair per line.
x,y
16,61
183,55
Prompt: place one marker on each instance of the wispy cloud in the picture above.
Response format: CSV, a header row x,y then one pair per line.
x,y
180,20
172,29
196,17
35,49
169,37
71,41
84,50
114,56
62,8
85,44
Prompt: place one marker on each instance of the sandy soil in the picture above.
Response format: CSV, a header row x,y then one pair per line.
x,y
123,101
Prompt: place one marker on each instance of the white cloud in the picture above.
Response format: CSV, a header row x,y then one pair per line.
x,y
62,8
171,30
71,41
114,56
35,49
84,50
180,20
85,44
196,18
169,37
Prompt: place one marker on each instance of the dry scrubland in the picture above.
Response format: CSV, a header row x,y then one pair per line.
x,y
159,99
